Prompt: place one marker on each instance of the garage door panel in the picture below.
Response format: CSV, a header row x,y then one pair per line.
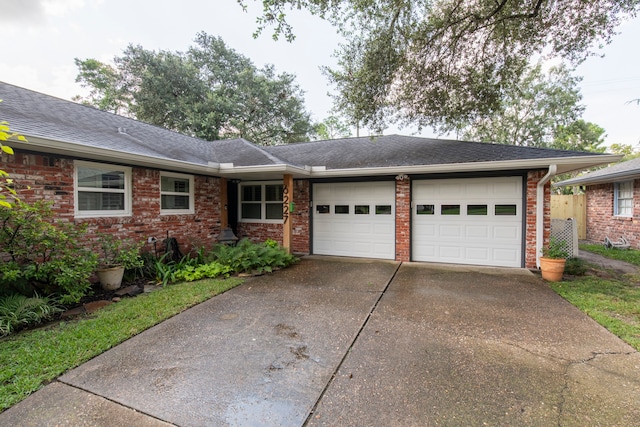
x,y
487,229
367,235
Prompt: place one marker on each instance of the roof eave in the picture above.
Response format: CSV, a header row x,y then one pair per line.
x,y
72,149
564,164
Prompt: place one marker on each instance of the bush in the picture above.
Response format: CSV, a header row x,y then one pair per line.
x,y
18,311
252,257
575,267
42,257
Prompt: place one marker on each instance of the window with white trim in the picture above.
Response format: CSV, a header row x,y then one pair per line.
x,y
261,202
101,190
176,193
623,198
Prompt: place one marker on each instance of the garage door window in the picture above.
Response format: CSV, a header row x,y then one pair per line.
x,y
261,202
509,210
342,209
477,210
425,210
361,209
450,209
383,209
322,209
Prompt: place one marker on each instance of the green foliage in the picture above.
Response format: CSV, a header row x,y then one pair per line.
x,y
210,92
31,359
632,256
575,267
436,63
251,257
41,256
539,110
189,273
114,252
6,183
556,249
18,311
332,128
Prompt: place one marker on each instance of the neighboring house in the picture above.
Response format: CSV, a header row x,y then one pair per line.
x,y
613,202
389,197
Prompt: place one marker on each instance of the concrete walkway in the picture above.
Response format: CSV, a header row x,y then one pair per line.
x,y
348,342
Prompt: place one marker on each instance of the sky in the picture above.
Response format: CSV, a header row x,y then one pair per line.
x,y
40,39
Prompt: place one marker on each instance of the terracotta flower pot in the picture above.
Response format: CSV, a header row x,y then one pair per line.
x,y
552,268
111,277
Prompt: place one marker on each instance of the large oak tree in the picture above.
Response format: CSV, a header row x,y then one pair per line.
x,y
437,62
210,92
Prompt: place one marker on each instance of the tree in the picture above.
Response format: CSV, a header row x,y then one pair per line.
x,y
210,92
331,128
540,110
6,183
435,63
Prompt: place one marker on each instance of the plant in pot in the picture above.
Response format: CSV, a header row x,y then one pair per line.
x,y
553,260
116,256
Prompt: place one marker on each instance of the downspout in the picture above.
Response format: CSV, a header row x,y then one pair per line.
x,y
540,210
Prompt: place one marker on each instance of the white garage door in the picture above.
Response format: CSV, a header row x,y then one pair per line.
x,y
354,219
468,221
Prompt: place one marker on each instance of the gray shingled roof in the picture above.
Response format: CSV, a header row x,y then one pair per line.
x,y
618,172
38,115
398,150
51,123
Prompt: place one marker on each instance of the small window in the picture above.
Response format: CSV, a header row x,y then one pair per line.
x,y
102,190
623,199
383,209
507,210
425,209
322,209
450,209
342,209
476,209
176,193
361,209
261,201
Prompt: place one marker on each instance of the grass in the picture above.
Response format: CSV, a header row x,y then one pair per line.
x,y
631,256
612,301
34,358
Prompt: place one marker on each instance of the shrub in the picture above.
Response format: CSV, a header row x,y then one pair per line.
x,y
18,311
575,267
42,257
252,257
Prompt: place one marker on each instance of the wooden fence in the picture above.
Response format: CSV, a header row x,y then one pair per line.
x,y
571,206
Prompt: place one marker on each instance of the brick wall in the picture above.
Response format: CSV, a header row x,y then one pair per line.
x,y
49,177
602,223
403,220
259,232
533,178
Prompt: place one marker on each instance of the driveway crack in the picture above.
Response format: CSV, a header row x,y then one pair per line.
x,y
346,353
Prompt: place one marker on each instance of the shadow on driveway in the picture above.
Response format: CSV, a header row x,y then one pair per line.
x,y
357,342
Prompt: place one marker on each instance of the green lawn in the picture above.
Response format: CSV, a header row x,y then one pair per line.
x,y
34,358
613,300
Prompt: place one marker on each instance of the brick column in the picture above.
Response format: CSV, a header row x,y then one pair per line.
x,y
403,220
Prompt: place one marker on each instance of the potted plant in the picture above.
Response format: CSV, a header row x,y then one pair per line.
x,y
114,257
553,260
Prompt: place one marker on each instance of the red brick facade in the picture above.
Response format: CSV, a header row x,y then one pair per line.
x,y
39,177
51,178
602,223
403,220
259,232
531,212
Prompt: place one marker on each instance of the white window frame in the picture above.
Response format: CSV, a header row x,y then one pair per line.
x,y
78,164
263,202
191,194
623,191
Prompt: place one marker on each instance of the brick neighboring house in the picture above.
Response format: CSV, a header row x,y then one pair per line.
x,y
613,201
388,197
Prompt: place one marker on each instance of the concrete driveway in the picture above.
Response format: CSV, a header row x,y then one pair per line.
x,y
363,343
